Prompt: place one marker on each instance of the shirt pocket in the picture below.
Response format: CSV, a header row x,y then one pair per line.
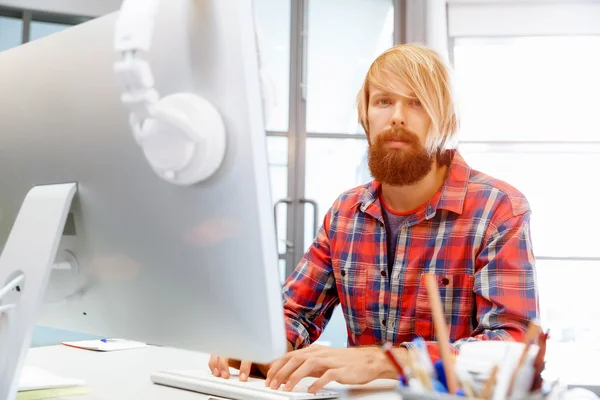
x,y
352,297
458,298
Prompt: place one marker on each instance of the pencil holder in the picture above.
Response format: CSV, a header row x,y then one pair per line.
x,y
550,390
408,394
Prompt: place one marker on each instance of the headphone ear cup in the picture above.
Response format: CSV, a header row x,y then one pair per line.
x,y
184,141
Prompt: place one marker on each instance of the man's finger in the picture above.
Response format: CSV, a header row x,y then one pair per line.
x,y
224,367
245,370
281,376
213,365
310,367
329,376
276,366
312,351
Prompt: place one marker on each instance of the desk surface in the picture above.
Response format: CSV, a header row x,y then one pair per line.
x,y
126,374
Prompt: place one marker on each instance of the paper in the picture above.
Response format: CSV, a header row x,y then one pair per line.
x,y
53,393
34,378
106,344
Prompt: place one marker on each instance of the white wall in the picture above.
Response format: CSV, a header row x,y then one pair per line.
x,y
88,8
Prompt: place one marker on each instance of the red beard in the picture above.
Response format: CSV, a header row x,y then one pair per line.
x,y
399,166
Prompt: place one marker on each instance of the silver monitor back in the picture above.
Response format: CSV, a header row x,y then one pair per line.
x,y
191,267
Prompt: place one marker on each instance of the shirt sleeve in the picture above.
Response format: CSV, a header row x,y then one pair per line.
x,y
310,293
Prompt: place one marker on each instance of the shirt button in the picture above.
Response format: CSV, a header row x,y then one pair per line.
x,y
343,272
383,322
445,281
383,273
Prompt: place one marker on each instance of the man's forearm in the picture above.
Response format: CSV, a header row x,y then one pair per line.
x,y
384,366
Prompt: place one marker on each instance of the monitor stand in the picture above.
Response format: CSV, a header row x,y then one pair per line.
x,y
26,262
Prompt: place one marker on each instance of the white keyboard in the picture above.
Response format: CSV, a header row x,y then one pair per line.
x,y
232,388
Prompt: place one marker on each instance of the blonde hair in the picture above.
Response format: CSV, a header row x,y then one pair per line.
x,y
421,69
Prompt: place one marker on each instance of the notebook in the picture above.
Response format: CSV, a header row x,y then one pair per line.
x,y
53,393
35,378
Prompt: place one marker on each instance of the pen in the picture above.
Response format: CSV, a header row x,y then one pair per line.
x,y
423,354
387,349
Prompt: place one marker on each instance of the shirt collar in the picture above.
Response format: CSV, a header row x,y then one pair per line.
x,y
451,195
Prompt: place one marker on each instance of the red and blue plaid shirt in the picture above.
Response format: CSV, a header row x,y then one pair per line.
x,y
473,235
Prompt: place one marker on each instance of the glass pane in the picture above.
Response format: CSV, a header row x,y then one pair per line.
x,y
277,148
41,29
282,273
570,300
274,26
11,32
525,89
557,185
332,167
344,37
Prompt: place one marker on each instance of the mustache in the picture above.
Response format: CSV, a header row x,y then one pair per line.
x,y
397,134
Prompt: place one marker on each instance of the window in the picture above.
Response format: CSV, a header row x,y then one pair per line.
x,y
11,32
273,25
529,88
528,108
41,29
332,167
22,26
344,37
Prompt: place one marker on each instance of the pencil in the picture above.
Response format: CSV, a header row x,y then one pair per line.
x,y
441,331
488,388
532,334
538,364
469,391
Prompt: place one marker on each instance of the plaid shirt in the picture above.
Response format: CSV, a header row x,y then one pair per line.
x,y
473,235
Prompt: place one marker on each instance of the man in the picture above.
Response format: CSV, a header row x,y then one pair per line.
x,y
426,212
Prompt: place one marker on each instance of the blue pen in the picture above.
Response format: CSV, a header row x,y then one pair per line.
x,y
402,380
441,374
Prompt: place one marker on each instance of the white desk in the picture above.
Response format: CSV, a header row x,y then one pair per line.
x,y
126,374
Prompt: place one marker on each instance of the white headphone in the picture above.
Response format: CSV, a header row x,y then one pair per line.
x,y
181,135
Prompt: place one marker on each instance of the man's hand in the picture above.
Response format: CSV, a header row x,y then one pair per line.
x,y
356,365
219,366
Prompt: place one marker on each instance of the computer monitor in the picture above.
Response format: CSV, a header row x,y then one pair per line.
x,y
193,267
